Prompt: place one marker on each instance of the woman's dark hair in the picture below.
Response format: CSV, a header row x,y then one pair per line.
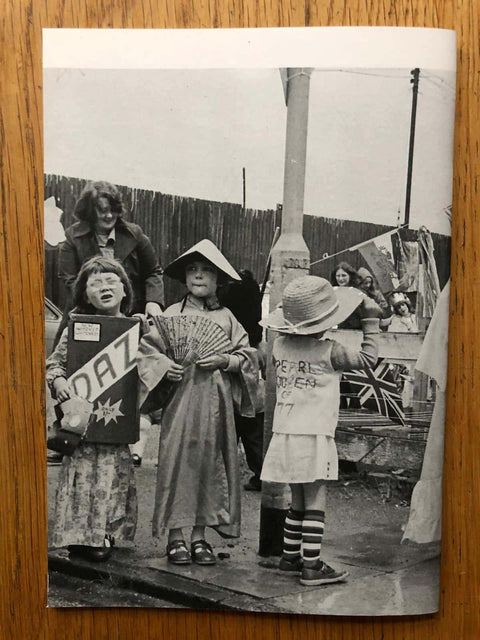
x,y
245,302
373,287
85,207
354,280
99,264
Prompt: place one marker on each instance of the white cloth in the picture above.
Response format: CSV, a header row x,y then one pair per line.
x,y
425,518
433,354
308,388
300,458
53,231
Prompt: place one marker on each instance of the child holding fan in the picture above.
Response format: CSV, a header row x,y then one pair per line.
x,y
200,349
302,450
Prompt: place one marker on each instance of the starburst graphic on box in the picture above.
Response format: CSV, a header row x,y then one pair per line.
x,y
108,412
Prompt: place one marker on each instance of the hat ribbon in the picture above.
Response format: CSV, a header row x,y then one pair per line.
x,y
321,316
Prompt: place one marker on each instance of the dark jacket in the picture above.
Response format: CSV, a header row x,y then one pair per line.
x,y
132,248
245,302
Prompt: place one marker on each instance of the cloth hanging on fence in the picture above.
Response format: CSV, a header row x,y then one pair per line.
x,y
53,231
430,283
406,256
378,254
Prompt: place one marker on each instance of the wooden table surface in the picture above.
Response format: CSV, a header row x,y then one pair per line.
x,y
23,565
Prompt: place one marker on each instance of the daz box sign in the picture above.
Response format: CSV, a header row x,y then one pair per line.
x,y
102,369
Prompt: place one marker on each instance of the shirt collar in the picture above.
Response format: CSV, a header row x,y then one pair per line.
x,y
204,304
83,228
101,237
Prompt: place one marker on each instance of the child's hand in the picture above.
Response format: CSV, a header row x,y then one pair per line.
x,y
153,309
210,363
175,372
62,388
369,308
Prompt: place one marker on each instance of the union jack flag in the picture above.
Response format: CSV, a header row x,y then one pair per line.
x,y
377,389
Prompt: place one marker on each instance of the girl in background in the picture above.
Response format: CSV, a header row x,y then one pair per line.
x,y
403,321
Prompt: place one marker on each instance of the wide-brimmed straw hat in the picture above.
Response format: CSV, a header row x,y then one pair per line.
x,y
203,250
310,305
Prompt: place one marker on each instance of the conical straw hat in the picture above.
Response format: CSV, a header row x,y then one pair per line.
x,y
310,305
203,250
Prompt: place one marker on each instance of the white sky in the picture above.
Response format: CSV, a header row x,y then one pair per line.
x,y
190,132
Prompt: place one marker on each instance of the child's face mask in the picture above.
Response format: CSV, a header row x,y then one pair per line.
x,y
201,279
105,291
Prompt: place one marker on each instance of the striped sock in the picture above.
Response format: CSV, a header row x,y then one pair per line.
x,y
312,533
292,534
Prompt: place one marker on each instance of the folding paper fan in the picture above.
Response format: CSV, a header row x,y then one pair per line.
x,y
190,338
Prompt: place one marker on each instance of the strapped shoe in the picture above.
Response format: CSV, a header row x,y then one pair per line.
x,y
177,552
321,573
94,554
291,565
202,552
137,460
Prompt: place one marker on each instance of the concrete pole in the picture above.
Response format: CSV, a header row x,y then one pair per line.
x,y
290,259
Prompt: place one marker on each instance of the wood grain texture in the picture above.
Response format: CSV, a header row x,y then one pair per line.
x,y
23,477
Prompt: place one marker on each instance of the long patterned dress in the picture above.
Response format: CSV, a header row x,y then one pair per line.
x,y
95,492
198,478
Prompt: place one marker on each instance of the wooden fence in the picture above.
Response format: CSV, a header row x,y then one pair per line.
x,y
175,223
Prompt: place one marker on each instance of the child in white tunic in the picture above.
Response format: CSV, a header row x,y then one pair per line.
x,y
302,450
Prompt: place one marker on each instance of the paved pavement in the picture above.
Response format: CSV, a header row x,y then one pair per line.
x,y
363,535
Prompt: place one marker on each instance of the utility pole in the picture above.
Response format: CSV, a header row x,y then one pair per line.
x,y
244,182
415,73
290,259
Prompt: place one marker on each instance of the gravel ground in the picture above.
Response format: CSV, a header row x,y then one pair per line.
x,y
356,502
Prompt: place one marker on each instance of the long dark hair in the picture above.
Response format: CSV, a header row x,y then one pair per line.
x,y
354,280
85,207
99,264
245,302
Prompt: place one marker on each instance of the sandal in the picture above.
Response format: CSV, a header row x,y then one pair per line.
x,y
177,552
202,552
137,460
109,540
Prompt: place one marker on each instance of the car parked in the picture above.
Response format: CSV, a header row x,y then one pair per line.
x,y
53,317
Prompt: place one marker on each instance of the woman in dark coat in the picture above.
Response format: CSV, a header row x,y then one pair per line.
x,y
101,230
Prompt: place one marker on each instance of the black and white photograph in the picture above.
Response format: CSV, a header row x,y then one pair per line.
x,y
247,268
